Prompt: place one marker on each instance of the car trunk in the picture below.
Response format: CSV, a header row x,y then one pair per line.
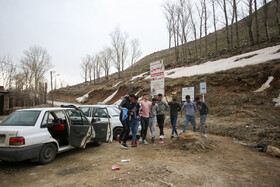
x,y
5,136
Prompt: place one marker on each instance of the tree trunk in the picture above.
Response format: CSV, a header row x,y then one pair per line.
x,y
257,21
205,28
236,23
250,24
265,8
278,15
231,31
215,25
226,19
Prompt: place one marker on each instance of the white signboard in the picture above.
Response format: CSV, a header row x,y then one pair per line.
x,y
203,89
157,77
188,90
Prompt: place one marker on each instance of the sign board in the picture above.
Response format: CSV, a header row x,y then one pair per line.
x,y
157,77
188,90
203,89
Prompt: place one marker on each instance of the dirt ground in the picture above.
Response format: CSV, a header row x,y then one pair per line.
x,y
229,164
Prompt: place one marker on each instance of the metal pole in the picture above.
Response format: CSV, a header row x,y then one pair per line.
x,y
51,89
203,97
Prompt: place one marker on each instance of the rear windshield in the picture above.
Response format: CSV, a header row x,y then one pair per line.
x,y
21,118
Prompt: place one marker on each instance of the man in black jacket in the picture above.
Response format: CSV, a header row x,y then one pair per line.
x,y
203,110
174,109
126,107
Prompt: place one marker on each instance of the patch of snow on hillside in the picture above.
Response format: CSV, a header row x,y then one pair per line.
x,y
138,76
259,56
82,99
110,97
265,85
138,92
277,101
118,102
117,84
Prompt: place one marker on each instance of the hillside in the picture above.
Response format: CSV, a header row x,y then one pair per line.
x,y
232,79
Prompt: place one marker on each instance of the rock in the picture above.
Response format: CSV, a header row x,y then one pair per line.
x,y
273,151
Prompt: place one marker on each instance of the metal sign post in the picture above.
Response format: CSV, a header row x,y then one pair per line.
x,y
203,89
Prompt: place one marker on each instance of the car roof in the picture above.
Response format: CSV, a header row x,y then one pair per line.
x,y
46,109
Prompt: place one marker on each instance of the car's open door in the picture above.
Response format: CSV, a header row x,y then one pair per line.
x,y
80,129
102,125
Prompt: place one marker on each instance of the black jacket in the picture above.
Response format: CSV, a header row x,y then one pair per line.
x,y
203,108
126,104
174,108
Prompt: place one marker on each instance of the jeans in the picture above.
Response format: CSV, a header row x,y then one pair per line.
x,y
160,121
186,122
202,123
134,124
173,123
126,129
144,127
152,125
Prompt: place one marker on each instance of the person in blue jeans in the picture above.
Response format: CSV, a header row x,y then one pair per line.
x,y
190,116
134,123
174,109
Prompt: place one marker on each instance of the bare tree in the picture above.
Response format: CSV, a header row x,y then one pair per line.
x,y
7,71
135,51
200,11
35,62
98,65
257,21
249,19
124,50
193,27
85,66
278,14
205,26
168,11
265,16
215,23
224,8
106,56
236,22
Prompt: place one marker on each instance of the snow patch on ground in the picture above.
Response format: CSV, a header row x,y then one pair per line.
x,y
265,85
138,92
110,97
138,76
238,61
277,101
117,84
118,102
82,99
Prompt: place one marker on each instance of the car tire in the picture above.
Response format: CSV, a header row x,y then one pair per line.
x,y
47,154
117,131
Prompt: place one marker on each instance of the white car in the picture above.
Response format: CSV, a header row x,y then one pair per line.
x,y
108,114
39,134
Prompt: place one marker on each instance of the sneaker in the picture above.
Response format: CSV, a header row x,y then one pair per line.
x,y
145,142
153,139
161,137
134,144
140,139
172,137
124,146
205,135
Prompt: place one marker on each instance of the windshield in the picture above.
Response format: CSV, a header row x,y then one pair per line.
x,y
113,111
21,118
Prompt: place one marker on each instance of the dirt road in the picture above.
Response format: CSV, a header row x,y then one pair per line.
x,y
230,164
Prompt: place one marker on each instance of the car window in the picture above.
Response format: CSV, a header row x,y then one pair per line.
x,y
77,118
100,113
45,119
113,112
21,118
85,110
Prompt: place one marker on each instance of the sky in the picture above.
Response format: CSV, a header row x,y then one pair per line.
x,y
70,29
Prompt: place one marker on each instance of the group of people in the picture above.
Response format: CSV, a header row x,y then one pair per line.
x,y
148,114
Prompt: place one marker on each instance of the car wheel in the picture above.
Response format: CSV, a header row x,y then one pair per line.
x,y
117,131
47,153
